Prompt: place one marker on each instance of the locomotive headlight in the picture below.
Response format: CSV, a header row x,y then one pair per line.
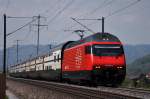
x,y
119,67
97,67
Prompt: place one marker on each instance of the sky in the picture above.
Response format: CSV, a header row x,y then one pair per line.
x,y
130,24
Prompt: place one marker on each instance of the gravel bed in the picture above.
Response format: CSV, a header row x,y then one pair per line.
x,y
25,91
132,92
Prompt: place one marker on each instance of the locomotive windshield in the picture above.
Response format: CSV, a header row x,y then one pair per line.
x,y
105,50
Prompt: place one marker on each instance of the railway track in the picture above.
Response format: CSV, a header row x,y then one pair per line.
x,y
138,92
88,92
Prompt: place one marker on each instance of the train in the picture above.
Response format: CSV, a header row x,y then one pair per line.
x,y
98,59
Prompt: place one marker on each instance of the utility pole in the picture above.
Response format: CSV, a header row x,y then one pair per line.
x,y
38,26
17,50
4,64
4,60
102,24
7,61
3,75
50,46
38,35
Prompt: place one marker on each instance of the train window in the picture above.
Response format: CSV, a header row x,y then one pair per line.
x,y
58,57
54,58
50,67
107,50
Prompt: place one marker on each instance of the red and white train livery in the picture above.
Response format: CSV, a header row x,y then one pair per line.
x,y
97,59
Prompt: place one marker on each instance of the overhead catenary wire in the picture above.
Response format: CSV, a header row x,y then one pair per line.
x,y
19,17
83,25
102,5
48,10
99,7
62,10
122,9
118,11
21,27
115,12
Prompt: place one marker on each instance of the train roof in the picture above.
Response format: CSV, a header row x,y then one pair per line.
x,y
99,37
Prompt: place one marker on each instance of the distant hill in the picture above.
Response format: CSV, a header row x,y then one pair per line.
x,y
136,51
139,66
132,52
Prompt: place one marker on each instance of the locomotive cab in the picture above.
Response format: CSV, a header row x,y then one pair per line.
x,y
108,62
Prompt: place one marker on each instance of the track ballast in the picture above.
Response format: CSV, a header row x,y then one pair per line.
x,y
88,92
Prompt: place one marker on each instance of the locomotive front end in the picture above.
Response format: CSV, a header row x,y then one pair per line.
x,y
109,66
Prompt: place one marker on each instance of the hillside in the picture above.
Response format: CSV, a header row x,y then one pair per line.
x,y
134,52
139,66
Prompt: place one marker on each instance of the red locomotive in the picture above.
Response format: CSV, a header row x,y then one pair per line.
x,y
98,59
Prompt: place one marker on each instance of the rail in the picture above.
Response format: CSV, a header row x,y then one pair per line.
x,y
80,91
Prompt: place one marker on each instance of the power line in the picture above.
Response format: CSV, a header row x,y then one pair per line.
x,y
47,10
21,27
62,10
102,5
119,10
38,25
65,7
83,25
18,17
70,13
